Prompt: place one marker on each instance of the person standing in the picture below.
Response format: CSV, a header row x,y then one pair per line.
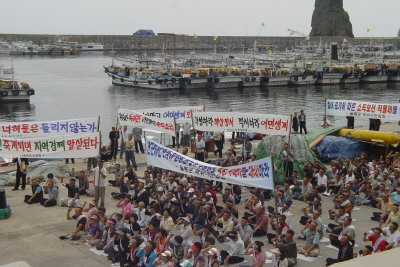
x,y
287,158
186,134
100,174
175,139
350,122
295,123
218,137
123,133
137,136
246,148
114,136
22,167
199,148
130,153
302,121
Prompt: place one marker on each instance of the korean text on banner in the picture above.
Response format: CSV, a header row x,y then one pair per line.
x,y
67,146
183,113
388,112
48,128
254,174
242,122
137,119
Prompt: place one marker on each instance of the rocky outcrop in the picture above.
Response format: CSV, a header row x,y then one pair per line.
x,y
330,19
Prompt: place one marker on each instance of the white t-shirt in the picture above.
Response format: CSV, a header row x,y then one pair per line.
x,y
99,181
322,180
200,145
389,237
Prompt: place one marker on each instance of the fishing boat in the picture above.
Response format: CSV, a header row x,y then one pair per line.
x,y
327,77
11,91
373,74
302,79
393,74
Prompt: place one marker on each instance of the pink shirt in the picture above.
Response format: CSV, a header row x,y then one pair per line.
x,y
258,257
126,208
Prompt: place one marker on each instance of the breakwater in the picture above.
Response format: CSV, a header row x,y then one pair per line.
x,y
184,42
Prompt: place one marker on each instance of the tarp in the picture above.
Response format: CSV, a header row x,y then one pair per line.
x,y
144,32
273,146
332,147
258,173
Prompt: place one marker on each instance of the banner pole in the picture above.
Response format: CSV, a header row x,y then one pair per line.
x,y
274,193
98,123
176,136
204,107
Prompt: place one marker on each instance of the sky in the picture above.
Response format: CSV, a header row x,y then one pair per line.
x,y
204,17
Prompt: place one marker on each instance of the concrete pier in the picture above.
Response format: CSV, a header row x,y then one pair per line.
x,y
185,42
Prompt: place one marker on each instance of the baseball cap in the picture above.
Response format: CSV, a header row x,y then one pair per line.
x,y
185,219
166,253
160,189
94,217
212,251
208,194
196,246
111,221
191,190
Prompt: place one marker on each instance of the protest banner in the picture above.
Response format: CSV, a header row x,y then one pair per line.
x,y
388,112
48,128
254,174
183,113
67,146
241,122
136,119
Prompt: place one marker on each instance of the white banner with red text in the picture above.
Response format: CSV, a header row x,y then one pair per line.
x,y
183,113
241,122
67,146
388,112
254,174
137,119
48,128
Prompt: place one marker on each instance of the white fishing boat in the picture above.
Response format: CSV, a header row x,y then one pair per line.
x,y
394,74
373,74
11,91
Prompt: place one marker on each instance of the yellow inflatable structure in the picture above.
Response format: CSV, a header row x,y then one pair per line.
x,y
386,138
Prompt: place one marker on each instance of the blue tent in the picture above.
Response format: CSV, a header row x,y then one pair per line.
x,y
144,32
332,147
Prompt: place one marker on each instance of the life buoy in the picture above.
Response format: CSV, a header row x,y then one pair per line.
x,y
173,80
15,92
4,93
253,79
296,78
247,79
113,77
122,79
134,82
315,76
304,77
30,92
149,82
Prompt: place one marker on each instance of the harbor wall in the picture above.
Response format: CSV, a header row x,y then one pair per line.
x,y
183,42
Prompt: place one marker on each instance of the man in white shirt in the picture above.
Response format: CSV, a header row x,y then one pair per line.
x,y
100,174
140,211
123,133
391,234
186,134
322,181
199,150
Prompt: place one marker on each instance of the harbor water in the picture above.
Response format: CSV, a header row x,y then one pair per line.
x,y
77,87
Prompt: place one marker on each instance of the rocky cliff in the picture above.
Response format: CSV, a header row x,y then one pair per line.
x,y
330,19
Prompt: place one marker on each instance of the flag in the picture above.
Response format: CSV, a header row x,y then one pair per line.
x,y
215,38
269,52
369,30
195,36
262,24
